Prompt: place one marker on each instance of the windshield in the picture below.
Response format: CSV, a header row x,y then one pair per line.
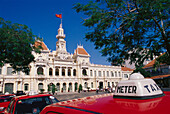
x,y
33,105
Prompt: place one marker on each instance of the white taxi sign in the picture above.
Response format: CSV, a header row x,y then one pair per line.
x,y
137,87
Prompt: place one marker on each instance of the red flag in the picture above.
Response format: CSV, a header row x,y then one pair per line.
x,y
58,15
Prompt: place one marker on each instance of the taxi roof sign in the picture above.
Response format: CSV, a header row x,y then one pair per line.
x,y
137,87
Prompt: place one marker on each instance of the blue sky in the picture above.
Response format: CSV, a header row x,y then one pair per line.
x,y
39,15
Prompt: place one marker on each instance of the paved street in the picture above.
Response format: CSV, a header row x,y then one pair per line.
x,y
75,95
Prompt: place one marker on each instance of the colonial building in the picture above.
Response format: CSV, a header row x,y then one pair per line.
x,y
66,71
161,75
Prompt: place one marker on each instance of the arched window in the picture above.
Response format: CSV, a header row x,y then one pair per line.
x,y
69,72
74,72
70,87
50,71
91,84
76,86
115,74
112,73
63,72
58,87
84,72
40,86
64,87
25,87
85,85
113,84
40,71
57,72
91,73
108,84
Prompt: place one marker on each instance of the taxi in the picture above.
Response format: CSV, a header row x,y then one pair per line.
x,y
4,101
134,96
30,103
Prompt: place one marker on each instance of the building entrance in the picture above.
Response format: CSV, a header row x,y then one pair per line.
x,y
101,85
9,87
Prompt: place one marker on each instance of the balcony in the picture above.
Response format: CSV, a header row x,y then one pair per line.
x,y
85,77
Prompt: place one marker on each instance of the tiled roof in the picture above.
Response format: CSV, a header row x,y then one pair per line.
x,y
38,43
126,69
80,51
160,76
150,64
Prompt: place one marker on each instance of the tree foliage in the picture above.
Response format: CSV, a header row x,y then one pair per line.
x,y
16,45
128,29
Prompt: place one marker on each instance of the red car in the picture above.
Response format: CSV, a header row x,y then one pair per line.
x,y
134,96
106,104
4,101
32,104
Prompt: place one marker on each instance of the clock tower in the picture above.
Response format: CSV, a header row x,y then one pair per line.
x,y
61,52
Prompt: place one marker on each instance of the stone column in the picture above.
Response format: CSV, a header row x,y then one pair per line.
x,y
73,87
16,85
61,86
21,83
60,71
67,85
53,71
31,85
66,71
71,72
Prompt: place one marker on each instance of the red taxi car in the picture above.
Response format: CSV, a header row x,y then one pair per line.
x,y
135,96
4,101
32,104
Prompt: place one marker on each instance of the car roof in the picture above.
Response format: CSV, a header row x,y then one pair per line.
x,y
107,104
31,96
7,95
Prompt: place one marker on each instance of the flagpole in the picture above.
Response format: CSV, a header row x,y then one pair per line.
x,y
61,18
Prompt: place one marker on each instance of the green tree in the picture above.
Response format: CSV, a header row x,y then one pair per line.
x,y
76,86
53,89
80,88
49,88
134,30
16,45
142,71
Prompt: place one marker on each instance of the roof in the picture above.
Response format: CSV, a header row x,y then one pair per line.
x,y
150,64
31,96
160,76
80,51
42,44
126,69
106,104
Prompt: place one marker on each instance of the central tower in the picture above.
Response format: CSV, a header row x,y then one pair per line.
x,y
61,43
61,52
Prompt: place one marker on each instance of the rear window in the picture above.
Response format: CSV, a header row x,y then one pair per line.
x,y
5,98
33,105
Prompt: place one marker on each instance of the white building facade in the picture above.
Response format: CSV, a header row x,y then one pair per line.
x,y
66,71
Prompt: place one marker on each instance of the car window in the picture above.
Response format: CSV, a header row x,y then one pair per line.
x,y
53,99
6,98
2,100
32,105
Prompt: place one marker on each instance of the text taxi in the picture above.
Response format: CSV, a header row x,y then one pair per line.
x,y
134,96
32,104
